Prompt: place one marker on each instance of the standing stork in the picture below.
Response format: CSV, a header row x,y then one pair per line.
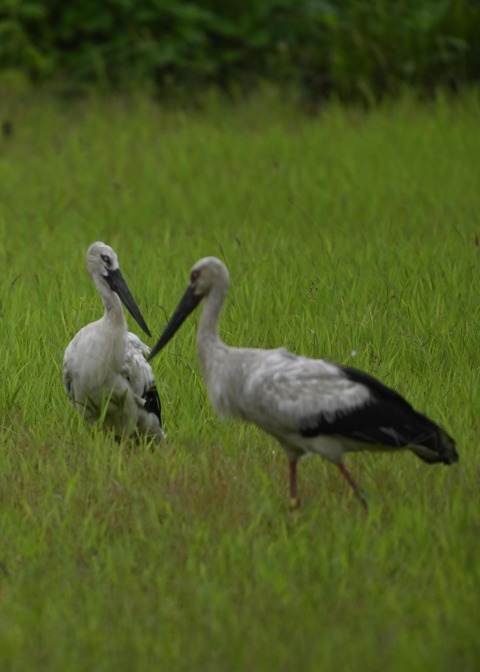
x,y
309,405
104,363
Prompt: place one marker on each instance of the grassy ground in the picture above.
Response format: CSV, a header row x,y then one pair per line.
x,y
349,237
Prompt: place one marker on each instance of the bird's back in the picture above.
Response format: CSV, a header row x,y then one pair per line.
x,y
290,396
273,388
280,388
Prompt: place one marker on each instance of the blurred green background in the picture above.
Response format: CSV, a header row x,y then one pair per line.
x,y
356,50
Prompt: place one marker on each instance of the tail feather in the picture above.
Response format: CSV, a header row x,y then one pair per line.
x,y
152,402
387,420
435,445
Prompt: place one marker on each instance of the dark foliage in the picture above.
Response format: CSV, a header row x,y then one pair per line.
x,y
356,49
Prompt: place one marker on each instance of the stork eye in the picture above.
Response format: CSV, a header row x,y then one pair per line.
x,y
106,259
194,276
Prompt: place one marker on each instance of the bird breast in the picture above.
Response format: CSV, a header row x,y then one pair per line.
x,y
223,376
97,353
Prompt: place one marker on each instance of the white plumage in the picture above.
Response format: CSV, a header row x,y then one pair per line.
x,y
106,364
309,405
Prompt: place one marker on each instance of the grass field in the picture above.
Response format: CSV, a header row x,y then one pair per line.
x,y
348,236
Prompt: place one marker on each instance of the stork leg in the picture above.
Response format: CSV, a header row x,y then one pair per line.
x,y
294,503
360,492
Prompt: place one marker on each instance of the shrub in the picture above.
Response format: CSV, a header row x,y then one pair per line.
x,y
356,49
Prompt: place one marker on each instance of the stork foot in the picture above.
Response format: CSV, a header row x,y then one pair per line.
x,y
363,497
360,492
294,503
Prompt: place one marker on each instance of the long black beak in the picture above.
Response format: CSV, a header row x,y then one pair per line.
x,y
117,284
188,303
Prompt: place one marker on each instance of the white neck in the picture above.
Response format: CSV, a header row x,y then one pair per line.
x,y
111,302
207,334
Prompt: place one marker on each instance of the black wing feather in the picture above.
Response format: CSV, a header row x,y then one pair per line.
x,y
152,402
378,389
386,419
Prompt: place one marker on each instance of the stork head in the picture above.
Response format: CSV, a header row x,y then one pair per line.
x,y
102,264
101,259
207,275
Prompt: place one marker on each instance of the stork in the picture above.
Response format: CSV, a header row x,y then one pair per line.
x,y
308,405
105,370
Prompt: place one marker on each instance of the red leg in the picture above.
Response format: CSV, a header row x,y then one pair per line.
x,y
293,484
361,494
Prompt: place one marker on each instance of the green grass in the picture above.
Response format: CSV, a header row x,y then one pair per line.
x,y
348,236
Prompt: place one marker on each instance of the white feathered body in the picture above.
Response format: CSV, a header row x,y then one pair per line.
x,y
105,364
282,393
